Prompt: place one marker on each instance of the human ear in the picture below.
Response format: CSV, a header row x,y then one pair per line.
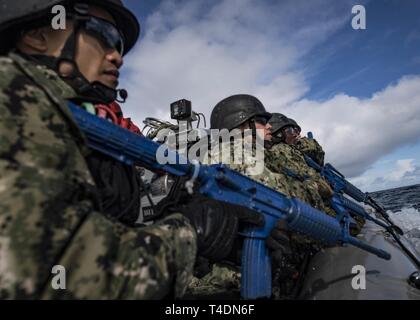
x,y
35,39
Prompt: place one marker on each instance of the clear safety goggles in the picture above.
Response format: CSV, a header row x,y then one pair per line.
x,y
106,32
288,131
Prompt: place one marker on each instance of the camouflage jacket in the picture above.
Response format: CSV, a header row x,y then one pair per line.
x,y
251,163
223,281
312,149
48,215
304,182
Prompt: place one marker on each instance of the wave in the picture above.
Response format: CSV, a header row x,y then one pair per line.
x,y
408,219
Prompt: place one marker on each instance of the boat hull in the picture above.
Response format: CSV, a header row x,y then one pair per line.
x,y
330,276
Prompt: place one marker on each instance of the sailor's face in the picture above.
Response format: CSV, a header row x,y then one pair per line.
x,y
291,135
265,129
96,61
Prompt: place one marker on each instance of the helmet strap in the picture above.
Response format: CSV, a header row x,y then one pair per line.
x,y
253,128
95,92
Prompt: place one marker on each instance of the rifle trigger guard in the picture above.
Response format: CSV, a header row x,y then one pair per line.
x,y
189,185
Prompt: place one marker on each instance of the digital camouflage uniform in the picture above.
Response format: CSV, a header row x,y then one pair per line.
x,y
223,281
286,171
312,149
307,185
47,207
253,167
304,182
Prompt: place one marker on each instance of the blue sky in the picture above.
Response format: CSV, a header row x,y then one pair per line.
x,y
356,89
360,63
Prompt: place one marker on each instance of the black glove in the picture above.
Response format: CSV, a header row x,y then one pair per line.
x,y
118,186
279,243
290,253
217,224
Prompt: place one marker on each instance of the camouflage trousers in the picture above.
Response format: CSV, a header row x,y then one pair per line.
x,y
222,282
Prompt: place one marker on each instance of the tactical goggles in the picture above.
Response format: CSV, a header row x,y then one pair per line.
x,y
261,119
106,32
291,130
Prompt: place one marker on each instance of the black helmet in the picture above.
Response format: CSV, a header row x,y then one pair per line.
x,y
16,13
278,121
235,110
293,123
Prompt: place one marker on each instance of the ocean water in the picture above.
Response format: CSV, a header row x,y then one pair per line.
x,y
403,206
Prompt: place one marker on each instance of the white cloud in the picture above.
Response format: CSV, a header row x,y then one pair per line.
x,y
204,51
403,172
357,132
404,167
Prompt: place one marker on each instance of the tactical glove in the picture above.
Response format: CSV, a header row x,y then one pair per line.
x,y
217,224
279,243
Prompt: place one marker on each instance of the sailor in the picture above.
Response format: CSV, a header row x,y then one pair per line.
x,y
246,113
50,211
284,129
286,152
288,250
283,155
288,131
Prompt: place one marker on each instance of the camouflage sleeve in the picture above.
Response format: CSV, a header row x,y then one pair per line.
x,y
106,260
274,180
358,226
252,165
311,148
47,214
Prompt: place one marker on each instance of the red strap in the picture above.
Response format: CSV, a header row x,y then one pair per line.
x,y
103,111
115,107
114,112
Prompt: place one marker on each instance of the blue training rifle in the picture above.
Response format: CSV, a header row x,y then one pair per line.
x,y
341,204
221,183
344,206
